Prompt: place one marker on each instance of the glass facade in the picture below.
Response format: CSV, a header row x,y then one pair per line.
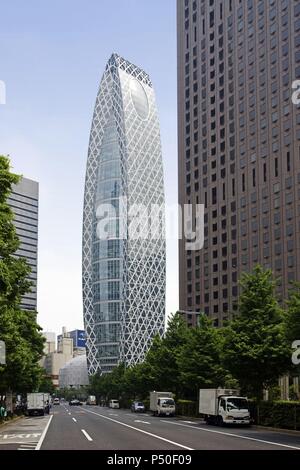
x,y
124,271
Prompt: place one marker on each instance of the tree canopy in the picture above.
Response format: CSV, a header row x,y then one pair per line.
x,y
255,348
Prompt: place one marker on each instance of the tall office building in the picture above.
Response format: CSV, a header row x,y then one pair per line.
x,y
123,275
239,145
24,201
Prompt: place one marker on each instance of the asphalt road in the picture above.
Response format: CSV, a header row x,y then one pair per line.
x,y
98,428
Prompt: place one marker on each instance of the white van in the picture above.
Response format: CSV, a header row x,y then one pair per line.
x,y
114,404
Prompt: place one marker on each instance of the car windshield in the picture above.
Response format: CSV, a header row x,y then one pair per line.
x,y
139,404
167,402
237,404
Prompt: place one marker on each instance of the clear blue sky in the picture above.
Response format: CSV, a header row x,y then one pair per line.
x,y
52,57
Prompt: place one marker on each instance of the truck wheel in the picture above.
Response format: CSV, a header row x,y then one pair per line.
x,y
220,421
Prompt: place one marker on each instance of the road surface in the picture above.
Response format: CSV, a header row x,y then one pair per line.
x,y
99,428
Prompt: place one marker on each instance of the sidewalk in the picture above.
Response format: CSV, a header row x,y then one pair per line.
x,y
12,420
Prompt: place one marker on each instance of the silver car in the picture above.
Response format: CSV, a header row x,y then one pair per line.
x,y
138,407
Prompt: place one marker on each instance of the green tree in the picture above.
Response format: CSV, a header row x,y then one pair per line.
x,y
199,360
293,314
255,347
46,385
292,322
161,362
19,330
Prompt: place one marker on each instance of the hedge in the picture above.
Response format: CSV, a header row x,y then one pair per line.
x,y
186,408
278,414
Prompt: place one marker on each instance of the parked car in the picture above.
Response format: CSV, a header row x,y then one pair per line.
x,y
75,402
114,404
138,407
56,401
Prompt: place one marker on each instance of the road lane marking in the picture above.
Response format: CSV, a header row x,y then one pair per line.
x,y
26,447
20,436
232,435
86,435
69,414
44,434
189,422
139,421
141,431
75,420
113,414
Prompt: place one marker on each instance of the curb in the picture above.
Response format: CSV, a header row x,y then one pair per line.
x,y
292,432
269,428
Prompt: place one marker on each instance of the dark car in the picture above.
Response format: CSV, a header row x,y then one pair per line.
x,y
138,407
75,403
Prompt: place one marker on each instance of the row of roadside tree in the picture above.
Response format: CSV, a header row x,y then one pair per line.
x,y
251,351
18,328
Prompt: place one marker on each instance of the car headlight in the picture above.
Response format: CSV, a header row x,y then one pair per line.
x,y
229,417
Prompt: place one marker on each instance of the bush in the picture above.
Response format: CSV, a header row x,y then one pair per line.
x,y
278,414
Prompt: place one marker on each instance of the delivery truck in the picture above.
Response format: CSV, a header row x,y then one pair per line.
x,y
162,403
38,403
91,400
223,406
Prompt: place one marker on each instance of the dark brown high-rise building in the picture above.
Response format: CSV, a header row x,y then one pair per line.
x,y
239,145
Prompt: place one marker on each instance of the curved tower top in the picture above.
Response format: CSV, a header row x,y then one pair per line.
x,y
123,268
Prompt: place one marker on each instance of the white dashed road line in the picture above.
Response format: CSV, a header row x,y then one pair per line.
x,y
232,435
86,435
75,420
141,431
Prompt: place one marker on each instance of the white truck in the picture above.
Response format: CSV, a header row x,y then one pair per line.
x,y
162,403
91,400
38,403
223,406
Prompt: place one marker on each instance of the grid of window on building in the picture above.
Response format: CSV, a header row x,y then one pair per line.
x,y
24,201
239,145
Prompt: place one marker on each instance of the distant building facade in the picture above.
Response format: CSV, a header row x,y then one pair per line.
x,y
55,359
78,337
238,146
24,201
74,374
